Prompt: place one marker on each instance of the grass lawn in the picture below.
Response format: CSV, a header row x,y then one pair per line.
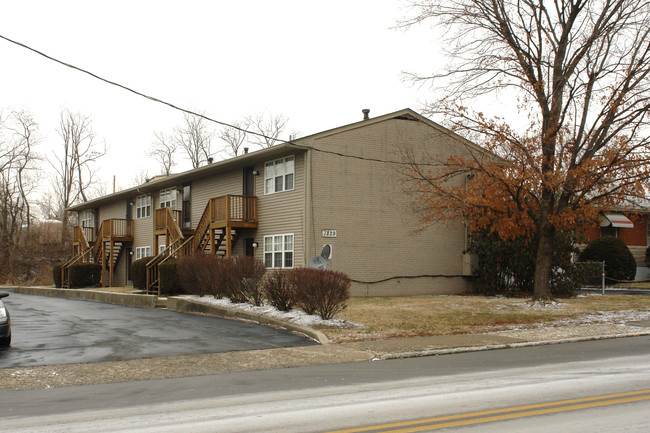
x,y
389,317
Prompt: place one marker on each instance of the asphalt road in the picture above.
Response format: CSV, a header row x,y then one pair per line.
x,y
417,392
49,331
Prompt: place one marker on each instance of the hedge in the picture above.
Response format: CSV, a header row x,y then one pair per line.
x,y
139,272
168,277
56,275
85,275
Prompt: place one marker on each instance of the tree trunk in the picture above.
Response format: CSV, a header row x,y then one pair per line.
x,y
544,263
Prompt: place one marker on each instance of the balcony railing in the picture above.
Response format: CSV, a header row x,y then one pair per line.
x,y
116,228
161,218
233,208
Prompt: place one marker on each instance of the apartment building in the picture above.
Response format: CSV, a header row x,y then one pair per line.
x,y
285,203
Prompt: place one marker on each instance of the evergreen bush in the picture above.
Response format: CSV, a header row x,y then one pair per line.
x,y
56,275
619,261
139,272
85,275
167,272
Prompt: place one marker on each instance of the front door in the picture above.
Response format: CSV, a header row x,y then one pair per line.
x,y
249,181
250,251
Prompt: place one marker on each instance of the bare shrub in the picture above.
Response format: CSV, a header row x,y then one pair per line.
x,y
247,274
322,292
198,274
279,291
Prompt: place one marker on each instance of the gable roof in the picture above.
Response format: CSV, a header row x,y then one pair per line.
x,y
247,159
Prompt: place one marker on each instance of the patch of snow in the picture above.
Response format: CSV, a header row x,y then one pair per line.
x,y
294,316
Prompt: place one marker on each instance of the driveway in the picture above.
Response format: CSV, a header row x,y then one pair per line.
x,y
49,331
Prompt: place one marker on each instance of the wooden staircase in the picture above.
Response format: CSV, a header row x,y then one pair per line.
x,y
106,249
215,233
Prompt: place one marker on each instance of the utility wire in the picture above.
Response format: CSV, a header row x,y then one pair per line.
x,y
209,119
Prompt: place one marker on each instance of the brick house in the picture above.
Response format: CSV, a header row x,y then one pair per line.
x,y
631,228
283,204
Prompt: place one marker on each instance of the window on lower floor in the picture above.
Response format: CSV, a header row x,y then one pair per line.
x,y
142,252
609,231
278,251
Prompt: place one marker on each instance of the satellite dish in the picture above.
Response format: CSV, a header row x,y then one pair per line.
x,y
326,252
318,262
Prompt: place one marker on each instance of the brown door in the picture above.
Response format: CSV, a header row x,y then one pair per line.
x,y
249,181
250,251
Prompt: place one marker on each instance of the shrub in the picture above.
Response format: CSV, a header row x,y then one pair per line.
x,y
322,292
169,277
139,272
619,261
278,290
647,256
247,274
56,275
508,267
306,282
85,275
198,274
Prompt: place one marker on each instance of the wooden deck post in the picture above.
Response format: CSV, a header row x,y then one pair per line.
x,y
228,242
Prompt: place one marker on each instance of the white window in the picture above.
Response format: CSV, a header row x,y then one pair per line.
x,y
278,251
142,252
143,206
279,175
161,248
87,218
168,198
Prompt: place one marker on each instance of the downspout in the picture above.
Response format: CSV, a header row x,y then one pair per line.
x,y
309,217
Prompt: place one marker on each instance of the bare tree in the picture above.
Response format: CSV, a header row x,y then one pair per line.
x,y
579,73
268,128
235,138
18,136
163,149
74,162
195,138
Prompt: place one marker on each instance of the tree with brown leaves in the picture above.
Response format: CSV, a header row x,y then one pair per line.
x,y
578,72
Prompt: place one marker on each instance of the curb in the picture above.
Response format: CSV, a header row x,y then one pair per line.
x,y
462,349
122,299
182,305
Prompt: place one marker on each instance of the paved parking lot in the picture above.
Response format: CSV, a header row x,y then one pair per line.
x,y
60,331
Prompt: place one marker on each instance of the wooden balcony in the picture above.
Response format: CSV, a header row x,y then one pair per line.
x,y
116,229
236,211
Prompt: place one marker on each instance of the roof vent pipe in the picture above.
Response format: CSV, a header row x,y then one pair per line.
x,y
210,159
245,150
365,112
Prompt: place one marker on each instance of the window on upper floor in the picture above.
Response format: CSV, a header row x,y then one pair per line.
x,y
279,175
88,218
278,251
168,198
143,206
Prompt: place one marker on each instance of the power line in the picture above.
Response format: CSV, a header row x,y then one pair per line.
x,y
209,119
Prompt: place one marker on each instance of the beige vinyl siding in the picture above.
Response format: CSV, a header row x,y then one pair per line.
x,y
378,235
116,209
283,212
143,231
202,190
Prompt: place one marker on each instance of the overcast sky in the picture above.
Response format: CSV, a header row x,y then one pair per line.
x,y
317,63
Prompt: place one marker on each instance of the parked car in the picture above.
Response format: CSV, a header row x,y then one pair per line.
x,y
5,323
